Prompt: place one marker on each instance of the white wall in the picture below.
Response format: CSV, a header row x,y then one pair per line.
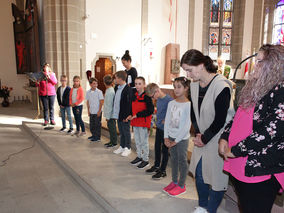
x,y
8,72
117,25
159,30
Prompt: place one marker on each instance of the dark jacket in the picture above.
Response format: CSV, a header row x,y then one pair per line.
x,y
264,147
143,108
125,103
133,73
65,98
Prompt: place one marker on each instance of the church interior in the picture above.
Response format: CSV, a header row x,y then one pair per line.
x,y
43,170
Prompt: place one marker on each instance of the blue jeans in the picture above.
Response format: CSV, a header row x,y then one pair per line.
x,y
63,118
48,104
208,198
77,112
124,131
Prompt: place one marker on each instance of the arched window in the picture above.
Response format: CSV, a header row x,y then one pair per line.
x,y
220,29
278,25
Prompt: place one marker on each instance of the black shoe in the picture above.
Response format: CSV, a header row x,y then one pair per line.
x,y
63,129
136,161
111,145
143,164
70,131
90,138
152,170
159,175
106,144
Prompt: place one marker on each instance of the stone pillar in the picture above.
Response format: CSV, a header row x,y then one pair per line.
x,y
64,27
198,24
191,23
247,33
64,32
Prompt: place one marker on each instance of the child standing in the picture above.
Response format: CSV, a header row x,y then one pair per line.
x,y
76,99
108,110
177,126
163,99
63,93
142,110
95,101
121,110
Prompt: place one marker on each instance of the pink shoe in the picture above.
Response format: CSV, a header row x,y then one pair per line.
x,y
177,191
169,187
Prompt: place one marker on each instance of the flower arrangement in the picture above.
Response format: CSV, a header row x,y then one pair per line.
x,y
5,91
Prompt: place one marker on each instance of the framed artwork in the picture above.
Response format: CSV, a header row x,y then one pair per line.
x,y
175,66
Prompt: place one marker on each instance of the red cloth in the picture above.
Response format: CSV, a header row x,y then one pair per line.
x,y
49,88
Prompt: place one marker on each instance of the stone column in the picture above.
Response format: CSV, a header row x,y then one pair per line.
x,y
64,28
64,32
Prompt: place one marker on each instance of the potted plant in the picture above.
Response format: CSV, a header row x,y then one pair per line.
x,y
5,94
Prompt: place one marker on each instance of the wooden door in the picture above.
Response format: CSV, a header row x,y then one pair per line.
x,y
103,67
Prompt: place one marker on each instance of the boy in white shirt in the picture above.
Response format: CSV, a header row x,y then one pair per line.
x,y
95,101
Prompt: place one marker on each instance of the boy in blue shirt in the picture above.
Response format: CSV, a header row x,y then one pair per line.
x,y
154,91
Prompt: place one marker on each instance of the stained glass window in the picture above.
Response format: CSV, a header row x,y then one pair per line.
x,y
220,28
278,27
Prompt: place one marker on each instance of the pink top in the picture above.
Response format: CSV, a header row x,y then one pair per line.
x,y
241,128
50,87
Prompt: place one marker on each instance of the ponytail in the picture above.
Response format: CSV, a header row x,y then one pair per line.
x,y
195,57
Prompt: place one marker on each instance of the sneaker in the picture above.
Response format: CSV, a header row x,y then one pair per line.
x,y
111,145
118,151
126,152
176,191
159,175
45,123
136,161
82,134
200,210
93,140
143,164
52,122
63,129
106,144
76,133
169,187
90,138
152,169
70,131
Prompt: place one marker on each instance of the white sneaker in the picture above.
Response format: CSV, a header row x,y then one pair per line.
x,y
126,152
200,210
118,151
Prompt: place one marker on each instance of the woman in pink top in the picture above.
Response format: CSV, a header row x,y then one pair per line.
x,y
253,142
47,93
